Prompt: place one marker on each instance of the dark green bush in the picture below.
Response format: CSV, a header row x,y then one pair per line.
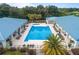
x,y
32,52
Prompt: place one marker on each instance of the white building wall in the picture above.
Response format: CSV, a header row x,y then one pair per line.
x,y
4,44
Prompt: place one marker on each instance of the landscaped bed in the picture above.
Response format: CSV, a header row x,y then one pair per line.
x,y
37,21
17,51
75,51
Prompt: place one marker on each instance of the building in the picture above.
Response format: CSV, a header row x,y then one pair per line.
x,y
10,28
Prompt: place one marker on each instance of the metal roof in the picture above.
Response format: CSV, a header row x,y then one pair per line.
x,y
8,26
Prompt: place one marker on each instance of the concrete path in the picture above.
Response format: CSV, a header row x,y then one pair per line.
x,y
38,52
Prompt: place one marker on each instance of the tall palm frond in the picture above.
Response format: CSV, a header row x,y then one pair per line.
x,y
53,46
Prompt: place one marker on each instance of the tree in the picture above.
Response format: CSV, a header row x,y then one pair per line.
x,y
34,16
53,11
45,11
13,12
53,46
40,10
4,10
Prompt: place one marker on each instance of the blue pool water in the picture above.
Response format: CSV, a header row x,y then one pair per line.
x,y
38,33
70,24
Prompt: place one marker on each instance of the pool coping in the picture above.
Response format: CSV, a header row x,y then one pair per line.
x,y
36,42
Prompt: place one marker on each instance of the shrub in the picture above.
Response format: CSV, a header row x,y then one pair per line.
x,y
23,49
32,52
12,49
2,51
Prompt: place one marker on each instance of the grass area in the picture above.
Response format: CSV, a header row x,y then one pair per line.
x,y
13,53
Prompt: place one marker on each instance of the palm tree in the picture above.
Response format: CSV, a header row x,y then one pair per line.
x,y
53,46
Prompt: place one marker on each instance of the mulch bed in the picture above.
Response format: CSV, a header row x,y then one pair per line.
x,y
32,51
75,51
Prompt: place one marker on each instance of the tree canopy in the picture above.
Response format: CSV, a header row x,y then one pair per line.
x,y
36,12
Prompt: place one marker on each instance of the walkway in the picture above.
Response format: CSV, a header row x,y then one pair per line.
x,y
70,52
39,52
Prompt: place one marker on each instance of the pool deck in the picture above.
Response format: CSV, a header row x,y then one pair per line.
x,y
36,43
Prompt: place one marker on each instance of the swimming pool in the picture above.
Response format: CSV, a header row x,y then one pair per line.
x,y
38,33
